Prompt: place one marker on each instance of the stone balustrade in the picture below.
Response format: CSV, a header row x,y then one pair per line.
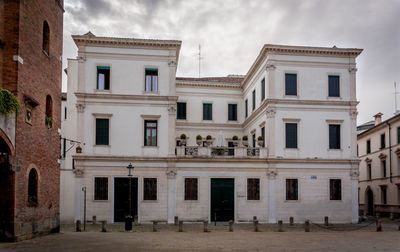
x,y
212,151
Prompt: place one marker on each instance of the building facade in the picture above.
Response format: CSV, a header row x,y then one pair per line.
x,y
379,182
31,35
275,143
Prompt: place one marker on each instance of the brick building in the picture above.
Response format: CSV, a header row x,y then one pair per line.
x,y
31,34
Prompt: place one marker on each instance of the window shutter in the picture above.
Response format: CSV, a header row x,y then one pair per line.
x,y
290,84
333,83
102,131
291,135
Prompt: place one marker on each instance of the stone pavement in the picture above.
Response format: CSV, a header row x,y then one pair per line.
x,y
219,239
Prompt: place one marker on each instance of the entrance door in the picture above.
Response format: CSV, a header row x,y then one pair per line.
x,y
222,199
6,193
370,199
121,196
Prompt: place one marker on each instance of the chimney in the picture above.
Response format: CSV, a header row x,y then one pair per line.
x,y
378,118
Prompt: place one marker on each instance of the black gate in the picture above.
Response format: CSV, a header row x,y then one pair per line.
x,y
121,195
222,199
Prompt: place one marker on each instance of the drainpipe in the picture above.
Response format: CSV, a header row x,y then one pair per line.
x,y
390,153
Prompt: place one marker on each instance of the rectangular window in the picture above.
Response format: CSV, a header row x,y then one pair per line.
x,y
232,112
246,108
151,78
384,195
190,188
369,171
263,89
181,110
290,84
64,148
335,189
398,135
253,137
254,99
103,78
207,111
291,135
334,136
383,143
102,131
65,113
150,189
291,189
263,135
100,188
368,146
253,189
150,133
383,167
334,87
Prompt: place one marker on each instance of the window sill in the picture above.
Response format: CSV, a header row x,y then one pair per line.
x,y
191,201
291,96
293,149
102,90
150,147
150,201
101,145
335,150
181,120
151,92
100,201
334,98
292,201
211,121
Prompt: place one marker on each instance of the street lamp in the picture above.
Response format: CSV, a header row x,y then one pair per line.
x,y
128,218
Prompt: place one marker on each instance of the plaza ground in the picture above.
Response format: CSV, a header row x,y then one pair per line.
x,y
360,237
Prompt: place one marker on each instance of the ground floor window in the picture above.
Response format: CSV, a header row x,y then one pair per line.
x,y
384,195
190,188
150,189
335,188
33,188
100,188
253,189
291,189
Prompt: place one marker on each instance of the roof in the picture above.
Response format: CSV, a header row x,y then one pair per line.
x,y
227,79
365,126
230,81
378,126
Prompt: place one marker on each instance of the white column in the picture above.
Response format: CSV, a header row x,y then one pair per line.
x,y
171,129
271,197
354,192
171,174
78,196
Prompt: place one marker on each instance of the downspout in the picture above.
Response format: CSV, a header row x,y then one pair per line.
x,y
390,153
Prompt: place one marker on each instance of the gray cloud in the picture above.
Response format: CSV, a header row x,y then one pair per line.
x,y
232,33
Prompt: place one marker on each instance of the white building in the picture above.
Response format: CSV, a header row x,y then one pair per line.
x,y
126,105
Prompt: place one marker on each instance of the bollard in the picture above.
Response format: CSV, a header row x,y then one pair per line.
x,y
154,226
280,226
205,227
231,226
307,226
326,221
103,226
254,218
378,226
180,226
78,226
291,221
255,225
94,219
176,220
135,220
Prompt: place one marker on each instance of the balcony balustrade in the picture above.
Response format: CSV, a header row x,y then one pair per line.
x,y
213,151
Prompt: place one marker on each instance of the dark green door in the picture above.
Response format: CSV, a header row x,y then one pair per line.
x,y
222,199
121,196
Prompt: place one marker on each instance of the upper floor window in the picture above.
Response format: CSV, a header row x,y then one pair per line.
x,y
49,111
33,188
246,108
333,86
150,133
368,146
291,135
254,99
253,189
384,194
102,131
100,188
334,136
103,78
383,167
207,111
291,189
232,112
369,171
151,75
190,188
46,38
263,89
181,110
335,189
290,84
150,189
398,135
383,142
263,135
253,138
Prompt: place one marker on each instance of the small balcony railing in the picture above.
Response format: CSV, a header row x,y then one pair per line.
x,y
212,151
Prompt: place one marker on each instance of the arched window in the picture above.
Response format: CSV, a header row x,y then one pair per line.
x,y
49,111
33,188
46,38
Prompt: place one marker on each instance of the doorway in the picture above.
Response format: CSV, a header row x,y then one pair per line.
x,y
222,199
121,195
370,202
6,193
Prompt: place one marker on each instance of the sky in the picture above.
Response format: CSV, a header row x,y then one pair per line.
x,y
232,32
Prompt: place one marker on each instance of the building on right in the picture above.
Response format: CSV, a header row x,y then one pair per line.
x,y
379,180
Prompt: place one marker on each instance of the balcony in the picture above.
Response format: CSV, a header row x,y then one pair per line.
x,y
215,152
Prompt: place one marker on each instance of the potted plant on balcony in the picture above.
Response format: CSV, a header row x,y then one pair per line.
x,y
260,141
183,139
235,140
199,140
8,102
209,140
245,141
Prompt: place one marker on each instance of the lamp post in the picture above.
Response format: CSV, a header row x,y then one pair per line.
x,y
129,218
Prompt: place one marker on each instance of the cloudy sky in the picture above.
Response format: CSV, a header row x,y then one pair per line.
x,y
232,33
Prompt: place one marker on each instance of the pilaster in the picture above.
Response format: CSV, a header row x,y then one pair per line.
x,y
271,174
171,175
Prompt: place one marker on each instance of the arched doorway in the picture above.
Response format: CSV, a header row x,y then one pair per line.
x,y
369,196
6,192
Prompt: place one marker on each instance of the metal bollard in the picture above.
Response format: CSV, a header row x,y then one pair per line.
x,y
326,221
78,226
103,226
135,220
231,226
205,226
307,226
280,229
94,219
176,220
255,225
378,226
291,221
180,226
154,226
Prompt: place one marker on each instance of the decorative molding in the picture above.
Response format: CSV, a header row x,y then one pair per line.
x,y
80,107
270,67
262,124
125,97
397,151
81,59
353,114
102,115
354,174
382,156
78,173
271,112
353,70
334,121
172,110
171,174
368,160
289,120
150,116
172,63
272,174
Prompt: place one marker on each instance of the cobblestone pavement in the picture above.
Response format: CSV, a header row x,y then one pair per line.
x,y
218,239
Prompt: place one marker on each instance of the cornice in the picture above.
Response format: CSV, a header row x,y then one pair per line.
x,y
207,84
205,125
380,126
125,97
